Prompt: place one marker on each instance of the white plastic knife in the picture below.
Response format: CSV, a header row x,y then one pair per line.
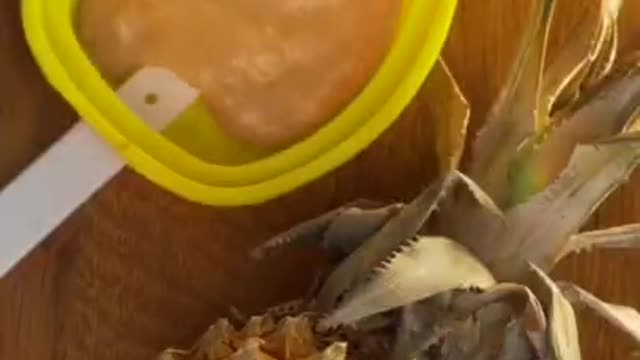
x,y
78,164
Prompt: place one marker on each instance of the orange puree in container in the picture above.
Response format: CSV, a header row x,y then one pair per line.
x,y
272,71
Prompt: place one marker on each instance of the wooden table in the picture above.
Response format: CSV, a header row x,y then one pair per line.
x,y
137,269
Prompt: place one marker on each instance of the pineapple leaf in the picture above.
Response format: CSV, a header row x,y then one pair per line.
x,y
358,265
480,196
633,128
451,113
422,324
538,230
516,345
492,321
480,213
482,218
622,317
631,136
366,216
563,329
604,53
462,339
423,268
605,58
517,295
619,237
580,58
607,113
512,117
469,302
425,321
349,230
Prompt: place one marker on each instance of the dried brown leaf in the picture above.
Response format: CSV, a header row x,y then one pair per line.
x,y
451,115
563,330
511,119
425,267
622,317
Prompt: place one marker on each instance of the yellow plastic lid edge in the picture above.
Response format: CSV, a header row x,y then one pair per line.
x,y
268,190
261,192
203,171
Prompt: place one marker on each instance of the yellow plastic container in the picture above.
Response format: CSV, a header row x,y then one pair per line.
x,y
193,158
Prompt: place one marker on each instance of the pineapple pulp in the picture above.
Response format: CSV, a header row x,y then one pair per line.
x,y
461,271
272,71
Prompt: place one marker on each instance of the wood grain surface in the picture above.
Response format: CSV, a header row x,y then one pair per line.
x,y
137,269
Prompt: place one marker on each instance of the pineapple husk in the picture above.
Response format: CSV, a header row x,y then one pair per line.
x,y
261,338
274,335
462,270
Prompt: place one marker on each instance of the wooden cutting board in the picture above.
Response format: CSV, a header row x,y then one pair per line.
x,y
136,269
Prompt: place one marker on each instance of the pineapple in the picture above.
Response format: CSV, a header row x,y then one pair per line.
x,y
461,271
261,339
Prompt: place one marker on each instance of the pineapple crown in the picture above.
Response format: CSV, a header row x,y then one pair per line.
x,y
470,254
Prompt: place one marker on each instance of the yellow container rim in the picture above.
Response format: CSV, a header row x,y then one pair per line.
x,y
50,35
